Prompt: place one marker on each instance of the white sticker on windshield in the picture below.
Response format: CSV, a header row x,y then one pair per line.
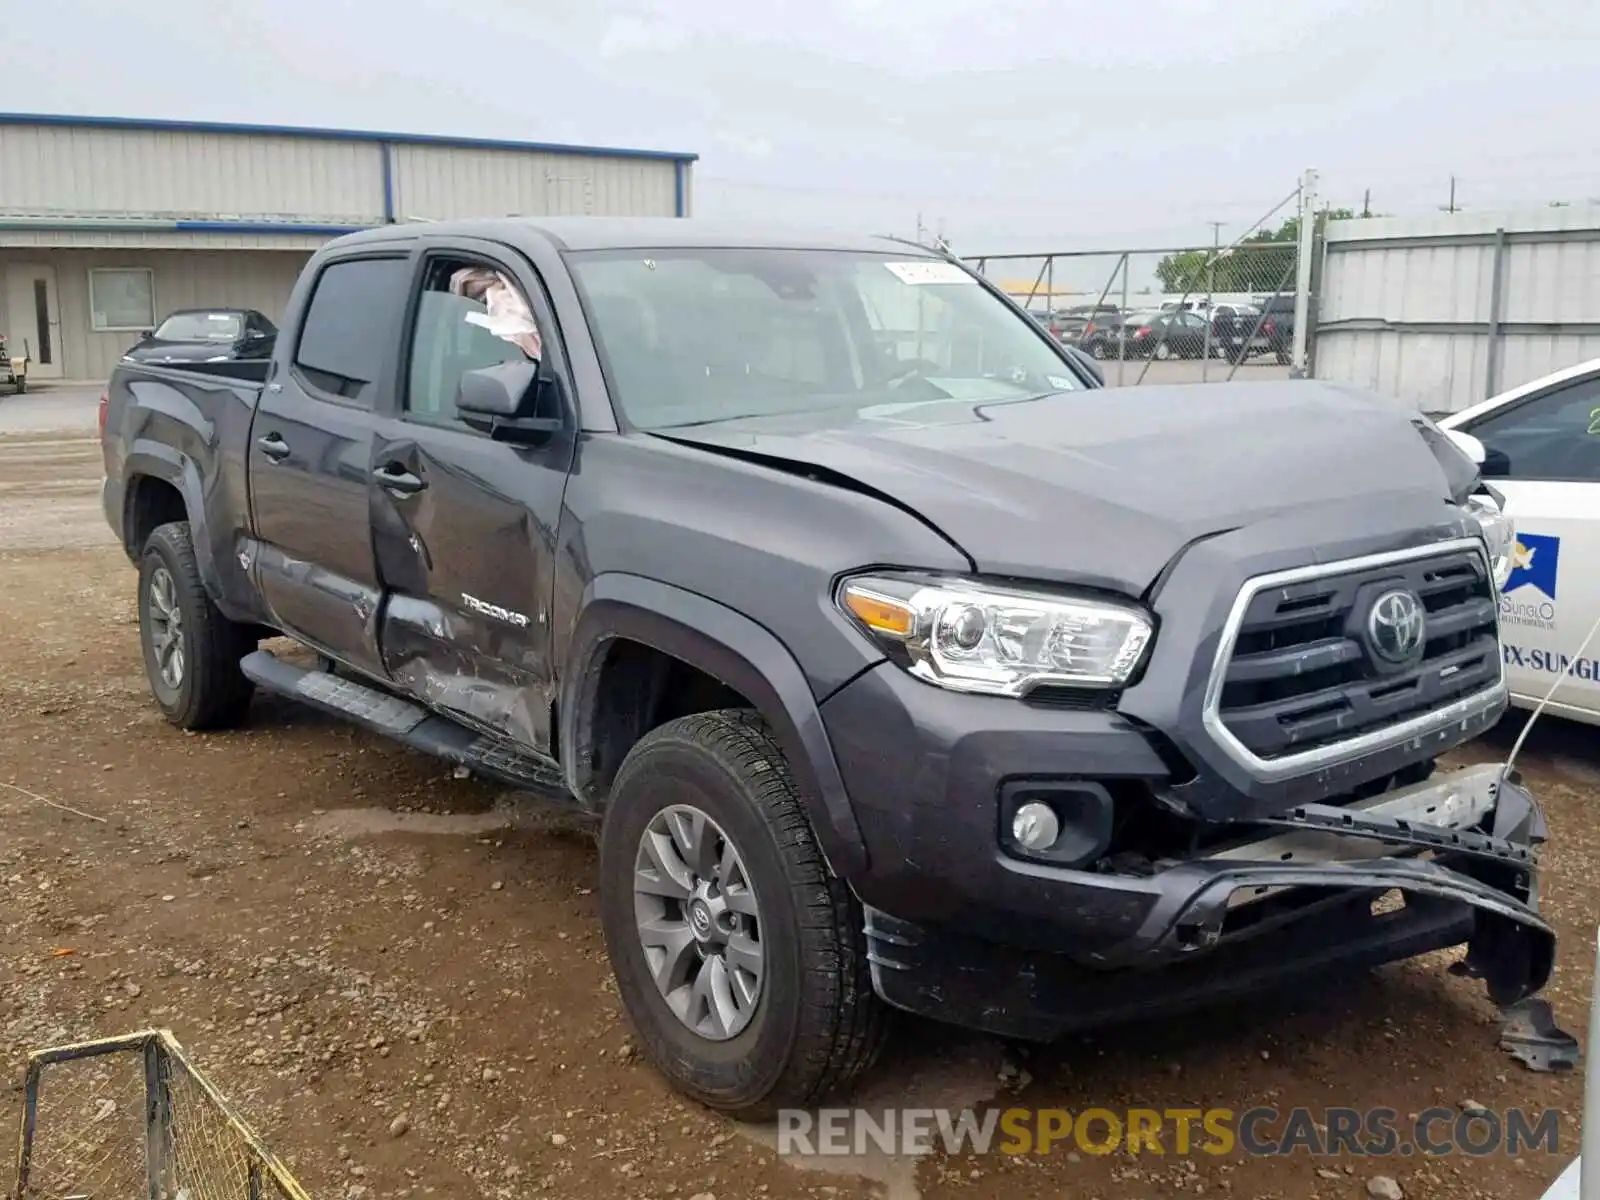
x,y
1056,381
929,272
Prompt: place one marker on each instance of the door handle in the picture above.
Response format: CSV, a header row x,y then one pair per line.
x,y
274,447
395,478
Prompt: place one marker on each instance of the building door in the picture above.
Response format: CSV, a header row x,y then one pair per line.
x,y
33,311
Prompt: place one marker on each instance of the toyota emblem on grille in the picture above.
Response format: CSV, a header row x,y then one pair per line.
x,y
1395,626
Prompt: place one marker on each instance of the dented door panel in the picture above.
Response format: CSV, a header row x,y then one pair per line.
x,y
466,563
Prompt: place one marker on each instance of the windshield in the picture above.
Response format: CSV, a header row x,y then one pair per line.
x,y
201,327
691,337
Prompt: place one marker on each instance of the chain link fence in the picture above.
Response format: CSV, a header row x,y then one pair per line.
x,y
1225,308
131,1118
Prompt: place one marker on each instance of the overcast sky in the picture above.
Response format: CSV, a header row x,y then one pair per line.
x,y
1016,124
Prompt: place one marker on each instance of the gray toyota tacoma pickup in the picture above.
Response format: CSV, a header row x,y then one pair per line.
x,y
906,668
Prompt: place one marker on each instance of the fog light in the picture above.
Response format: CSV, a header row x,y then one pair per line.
x,y
1035,827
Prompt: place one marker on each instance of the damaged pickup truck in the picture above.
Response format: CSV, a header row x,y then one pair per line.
x,y
906,669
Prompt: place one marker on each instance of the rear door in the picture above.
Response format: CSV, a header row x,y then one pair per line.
x,y
1544,456
311,457
465,526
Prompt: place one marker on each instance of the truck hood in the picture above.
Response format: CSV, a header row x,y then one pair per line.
x,y
1104,487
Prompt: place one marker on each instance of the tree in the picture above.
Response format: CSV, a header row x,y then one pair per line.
x,y
1242,269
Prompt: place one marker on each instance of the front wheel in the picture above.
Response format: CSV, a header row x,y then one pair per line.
x,y
1098,350
191,651
1164,351
739,956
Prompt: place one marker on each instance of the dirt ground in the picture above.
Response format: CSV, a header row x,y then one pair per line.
x,y
399,976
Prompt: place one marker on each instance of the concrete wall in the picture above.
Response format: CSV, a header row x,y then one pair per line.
x,y
259,279
1441,312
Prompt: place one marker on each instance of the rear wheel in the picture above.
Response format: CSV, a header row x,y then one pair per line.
x,y
739,956
191,651
1098,350
1164,351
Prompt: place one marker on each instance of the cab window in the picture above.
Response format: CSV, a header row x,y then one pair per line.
x,y
1554,436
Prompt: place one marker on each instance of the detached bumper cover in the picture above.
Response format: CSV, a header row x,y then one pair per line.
x,y
1265,912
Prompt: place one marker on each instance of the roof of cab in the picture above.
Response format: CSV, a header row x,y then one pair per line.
x,y
641,233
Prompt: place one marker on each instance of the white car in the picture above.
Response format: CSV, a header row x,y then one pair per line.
x,y
1542,453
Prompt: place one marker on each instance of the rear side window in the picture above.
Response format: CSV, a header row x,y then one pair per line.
x,y
350,325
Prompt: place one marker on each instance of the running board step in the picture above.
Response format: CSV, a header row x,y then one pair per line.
x,y
411,724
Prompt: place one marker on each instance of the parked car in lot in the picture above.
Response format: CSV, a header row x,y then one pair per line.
x,y
1147,335
1541,446
1236,332
1101,336
1049,322
649,518
207,335
1278,326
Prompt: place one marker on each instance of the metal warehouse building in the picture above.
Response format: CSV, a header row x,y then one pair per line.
x,y
108,224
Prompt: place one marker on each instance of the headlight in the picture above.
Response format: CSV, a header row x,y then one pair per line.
x,y
972,637
1499,534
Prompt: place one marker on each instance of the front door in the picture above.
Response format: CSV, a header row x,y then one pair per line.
x,y
465,527
1544,456
33,317
311,458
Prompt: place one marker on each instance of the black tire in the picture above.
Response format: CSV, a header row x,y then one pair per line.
x,y
210,691
1099,351
22,386
816,1024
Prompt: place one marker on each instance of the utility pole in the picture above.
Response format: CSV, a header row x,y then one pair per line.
x,y
1302,283
1211,287
1366,203
1452,207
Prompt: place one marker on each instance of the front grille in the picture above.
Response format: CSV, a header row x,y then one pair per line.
x,y
1303,673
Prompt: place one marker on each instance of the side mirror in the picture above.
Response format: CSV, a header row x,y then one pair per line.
x,y
492,400
1087,362
147,333
1468,445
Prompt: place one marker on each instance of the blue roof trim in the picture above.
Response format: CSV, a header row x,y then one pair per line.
x,y
342,135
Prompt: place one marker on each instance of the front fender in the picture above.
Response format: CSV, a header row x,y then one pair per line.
x,y
731,648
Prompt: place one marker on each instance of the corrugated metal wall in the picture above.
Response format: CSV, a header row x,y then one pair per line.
x,y
54,168
321,179
226,215
443,182
1409,306
259,279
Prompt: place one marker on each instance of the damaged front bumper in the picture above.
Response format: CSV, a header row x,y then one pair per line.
x,y
1310,890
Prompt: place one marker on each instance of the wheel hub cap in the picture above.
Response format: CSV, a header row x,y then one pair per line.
x,y
166,627
699,923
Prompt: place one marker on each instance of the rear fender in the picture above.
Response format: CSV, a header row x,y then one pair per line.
x,y
730,648
153,460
